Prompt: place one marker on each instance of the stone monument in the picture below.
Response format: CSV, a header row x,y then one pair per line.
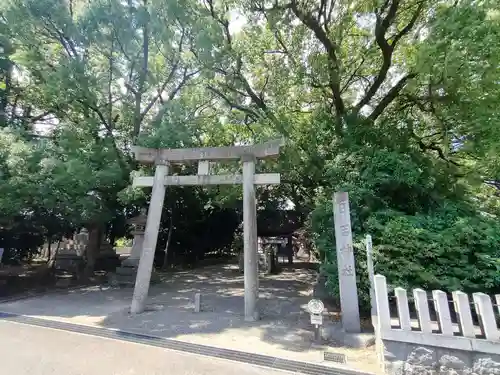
x,y
107,259
345,262
70,256
349,332
267,250
269,247
127,272
138,226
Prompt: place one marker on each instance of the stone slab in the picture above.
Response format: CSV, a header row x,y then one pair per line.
x,y
126,271
130,262
336,333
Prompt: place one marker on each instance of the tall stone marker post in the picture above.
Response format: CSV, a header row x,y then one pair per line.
x,y
162,159
346,267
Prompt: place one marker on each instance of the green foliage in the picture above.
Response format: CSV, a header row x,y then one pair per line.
x,y
448,249
425,231
392,101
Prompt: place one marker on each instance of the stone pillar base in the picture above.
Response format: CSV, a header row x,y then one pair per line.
x,y
130,262
126,274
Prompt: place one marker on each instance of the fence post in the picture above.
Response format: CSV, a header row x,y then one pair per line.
x,y
382,300
371,276
484,309
422,306
443,312
464,315
403,309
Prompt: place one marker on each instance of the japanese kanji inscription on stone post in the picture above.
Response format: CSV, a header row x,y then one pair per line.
x,y
346,265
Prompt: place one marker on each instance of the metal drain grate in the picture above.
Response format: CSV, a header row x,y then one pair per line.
x,y
210,351
334,357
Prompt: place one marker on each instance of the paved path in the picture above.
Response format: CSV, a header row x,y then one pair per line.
x,y
284,332
28,350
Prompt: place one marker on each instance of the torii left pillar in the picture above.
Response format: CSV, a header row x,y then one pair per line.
x,y
150,238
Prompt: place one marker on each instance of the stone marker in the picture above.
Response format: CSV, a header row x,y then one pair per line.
x,y
69,258
127,272
346,266
138,224
197,302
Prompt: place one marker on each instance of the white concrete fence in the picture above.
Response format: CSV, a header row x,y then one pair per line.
x,y
463,335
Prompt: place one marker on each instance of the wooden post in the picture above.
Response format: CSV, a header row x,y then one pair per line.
x,y
346,266
150,237
251,270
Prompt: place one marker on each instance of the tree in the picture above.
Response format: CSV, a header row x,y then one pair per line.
x,y
101,71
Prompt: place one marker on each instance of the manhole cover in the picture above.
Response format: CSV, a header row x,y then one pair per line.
x,y
334,357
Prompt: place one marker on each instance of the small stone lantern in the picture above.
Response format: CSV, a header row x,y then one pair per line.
x,y
138,227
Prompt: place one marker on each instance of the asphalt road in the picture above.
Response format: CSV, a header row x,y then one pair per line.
x,y
29,350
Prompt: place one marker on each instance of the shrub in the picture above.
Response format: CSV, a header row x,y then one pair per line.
x,y
426,232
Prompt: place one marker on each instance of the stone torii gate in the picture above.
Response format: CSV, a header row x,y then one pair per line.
x,y
162,158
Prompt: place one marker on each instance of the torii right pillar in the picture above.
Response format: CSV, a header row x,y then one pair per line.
x,y
250,244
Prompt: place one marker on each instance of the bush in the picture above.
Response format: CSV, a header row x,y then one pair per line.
x,y
426,233
442,250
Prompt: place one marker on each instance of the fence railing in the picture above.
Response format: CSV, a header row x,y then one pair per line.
x,y
435,326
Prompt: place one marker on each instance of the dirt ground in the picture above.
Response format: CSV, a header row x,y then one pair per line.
x,y
283,331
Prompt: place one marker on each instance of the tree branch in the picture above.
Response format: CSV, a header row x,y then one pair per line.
x,y
390,96
160,91
185,78
222,21
405,30
109,131
330,47
432,146
346,85
254,115
386,48
142,79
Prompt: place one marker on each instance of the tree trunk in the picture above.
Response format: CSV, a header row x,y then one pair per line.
x,y
169,237
49,252
92,249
